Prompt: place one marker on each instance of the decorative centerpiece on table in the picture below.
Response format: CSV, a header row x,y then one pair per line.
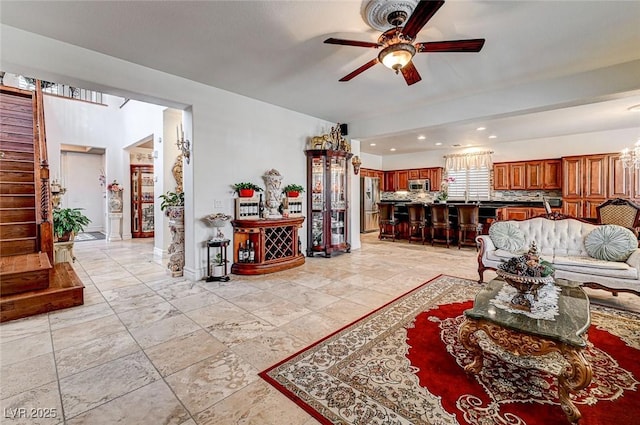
x,y
527,274
217,220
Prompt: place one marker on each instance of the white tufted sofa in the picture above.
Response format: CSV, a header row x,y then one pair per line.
x,y
560,241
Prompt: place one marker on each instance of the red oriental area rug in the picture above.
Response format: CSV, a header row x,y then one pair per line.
x,y
403,364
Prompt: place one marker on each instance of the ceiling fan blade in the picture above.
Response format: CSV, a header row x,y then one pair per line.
x,y
471,45
410,73
420,16
352,43
360,70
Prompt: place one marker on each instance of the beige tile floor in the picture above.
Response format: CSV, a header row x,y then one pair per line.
x,y
149,349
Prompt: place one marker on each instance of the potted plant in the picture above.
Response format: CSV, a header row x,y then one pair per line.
x,y
67,222
293,190
171,199
219,268
246,190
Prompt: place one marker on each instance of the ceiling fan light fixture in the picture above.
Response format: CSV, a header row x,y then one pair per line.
x,y
397,56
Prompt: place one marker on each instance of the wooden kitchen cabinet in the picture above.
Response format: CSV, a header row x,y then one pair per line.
x,y
552,174
534,175
517,213
572,207
517,175
501,176
596,176
414,174
390,181
621,180
402,180
572,171
424,173
435,177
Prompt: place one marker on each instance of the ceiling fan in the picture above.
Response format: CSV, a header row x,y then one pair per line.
x,y
398,47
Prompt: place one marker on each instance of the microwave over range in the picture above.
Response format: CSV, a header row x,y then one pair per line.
x,y
422,185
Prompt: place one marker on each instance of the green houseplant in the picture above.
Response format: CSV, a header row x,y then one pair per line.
x,y
293,190
171,199
246,190
68,221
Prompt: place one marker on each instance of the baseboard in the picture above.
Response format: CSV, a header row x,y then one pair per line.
x,y
192,274
159,254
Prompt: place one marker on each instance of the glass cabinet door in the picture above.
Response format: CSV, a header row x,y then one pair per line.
x,y
317,201
328,181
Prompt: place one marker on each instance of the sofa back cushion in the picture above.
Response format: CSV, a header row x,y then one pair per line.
x,y
555,237
611,243
507,236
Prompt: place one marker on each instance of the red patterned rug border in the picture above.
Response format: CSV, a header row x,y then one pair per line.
x,y
265,373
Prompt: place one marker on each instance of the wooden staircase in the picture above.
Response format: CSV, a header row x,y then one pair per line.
x,y
29,284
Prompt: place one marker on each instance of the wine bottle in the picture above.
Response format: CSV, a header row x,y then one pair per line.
x,y
252,252
261,207
240,253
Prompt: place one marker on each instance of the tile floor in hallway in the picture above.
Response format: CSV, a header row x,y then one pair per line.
x,y
149,349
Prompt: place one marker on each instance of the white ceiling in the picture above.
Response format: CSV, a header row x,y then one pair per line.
x,y
273,51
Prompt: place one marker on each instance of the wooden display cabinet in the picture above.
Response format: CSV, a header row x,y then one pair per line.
x,y
142,200
328,202
274,243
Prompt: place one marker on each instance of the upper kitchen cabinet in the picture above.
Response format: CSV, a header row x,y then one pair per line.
x,y
572,169
403,180
552,174
528,175
501,176
596,176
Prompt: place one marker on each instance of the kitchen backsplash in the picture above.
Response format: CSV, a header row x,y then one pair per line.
x,y
498,195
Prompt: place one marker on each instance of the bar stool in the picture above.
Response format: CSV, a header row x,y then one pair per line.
x,y
387,221
468,221
440,222
416,222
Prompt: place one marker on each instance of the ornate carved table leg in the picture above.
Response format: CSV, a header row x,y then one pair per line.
x,y
576,376
467,336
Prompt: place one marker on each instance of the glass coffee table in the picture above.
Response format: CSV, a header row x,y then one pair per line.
x,y
524,336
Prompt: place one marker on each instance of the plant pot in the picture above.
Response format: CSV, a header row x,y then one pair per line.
x,y
66,237
218,271
293,194
245,193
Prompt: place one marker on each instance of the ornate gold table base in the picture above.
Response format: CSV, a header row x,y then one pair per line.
x,y
574,377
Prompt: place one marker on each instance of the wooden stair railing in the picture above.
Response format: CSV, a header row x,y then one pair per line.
x,y
28,282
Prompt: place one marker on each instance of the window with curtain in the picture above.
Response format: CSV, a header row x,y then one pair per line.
x,y
471,174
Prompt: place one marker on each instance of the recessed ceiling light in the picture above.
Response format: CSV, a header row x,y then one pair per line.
x,y
481,128
372,144
634,108
392,149
469,144
422,137
493,136
439,144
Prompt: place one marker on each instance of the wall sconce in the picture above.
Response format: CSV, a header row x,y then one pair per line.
x,y
183,145
356,162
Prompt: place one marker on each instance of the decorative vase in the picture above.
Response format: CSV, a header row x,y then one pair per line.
x,y
527,287
246,193
115,202
176,248
273,181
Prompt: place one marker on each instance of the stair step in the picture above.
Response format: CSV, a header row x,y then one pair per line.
x,y
22,273
17,188
17,215
15,145
12,121
17,201
14,231
8,155
65,290
22,176
16,166
17,247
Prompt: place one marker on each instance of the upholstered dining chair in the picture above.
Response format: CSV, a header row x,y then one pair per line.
x,y
387,221
440,223
416,222
468,222
621,212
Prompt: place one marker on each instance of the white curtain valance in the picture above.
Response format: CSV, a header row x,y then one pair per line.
x,y
468,161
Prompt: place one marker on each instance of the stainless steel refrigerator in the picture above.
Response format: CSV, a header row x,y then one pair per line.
x,y
369,198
